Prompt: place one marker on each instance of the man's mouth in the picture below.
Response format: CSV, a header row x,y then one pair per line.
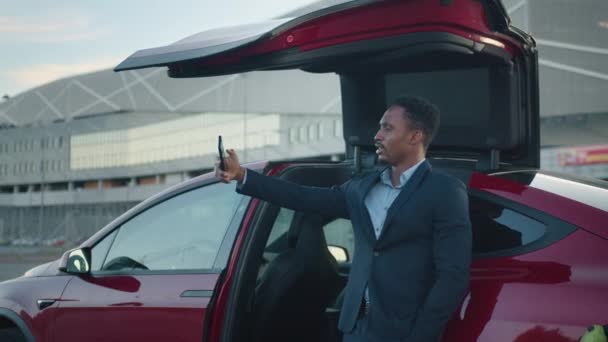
x,y
379,148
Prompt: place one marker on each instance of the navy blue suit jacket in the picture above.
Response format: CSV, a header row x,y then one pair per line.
x,y
417,271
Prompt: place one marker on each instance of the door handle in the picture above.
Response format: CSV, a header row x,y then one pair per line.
x,y
197,293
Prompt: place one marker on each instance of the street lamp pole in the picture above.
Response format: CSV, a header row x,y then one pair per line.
x,y
41,210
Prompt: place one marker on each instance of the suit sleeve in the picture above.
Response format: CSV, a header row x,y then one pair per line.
x,y
452,244
319,200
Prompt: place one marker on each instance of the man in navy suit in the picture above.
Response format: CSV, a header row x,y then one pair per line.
x,y
411,225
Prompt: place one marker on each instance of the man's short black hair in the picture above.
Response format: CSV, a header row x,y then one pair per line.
x,y
421,113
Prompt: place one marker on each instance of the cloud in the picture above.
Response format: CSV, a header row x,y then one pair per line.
x,y
56,27
39,74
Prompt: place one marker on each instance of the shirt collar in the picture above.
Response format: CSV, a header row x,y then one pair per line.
x,y
405,176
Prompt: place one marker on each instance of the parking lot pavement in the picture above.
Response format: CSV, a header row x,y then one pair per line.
x,y
14,261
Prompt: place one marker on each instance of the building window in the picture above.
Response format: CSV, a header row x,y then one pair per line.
x,y
313,134
337,128
320,130
293,135
303,133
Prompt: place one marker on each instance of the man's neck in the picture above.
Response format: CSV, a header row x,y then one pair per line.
x,y
397,170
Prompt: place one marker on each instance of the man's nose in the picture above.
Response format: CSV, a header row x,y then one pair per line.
x,y
378,136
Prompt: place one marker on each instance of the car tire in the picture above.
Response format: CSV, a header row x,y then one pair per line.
x,y
11,335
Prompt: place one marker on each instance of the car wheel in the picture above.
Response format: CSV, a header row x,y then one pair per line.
x,y
11,335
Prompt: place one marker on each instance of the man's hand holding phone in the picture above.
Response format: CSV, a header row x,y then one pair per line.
x,y
232,167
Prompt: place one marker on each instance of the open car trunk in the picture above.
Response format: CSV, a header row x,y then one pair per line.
x,y
462,55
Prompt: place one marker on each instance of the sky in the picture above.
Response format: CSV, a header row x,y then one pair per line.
x,y
41,41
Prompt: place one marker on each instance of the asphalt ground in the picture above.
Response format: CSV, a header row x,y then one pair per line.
x,y
14,260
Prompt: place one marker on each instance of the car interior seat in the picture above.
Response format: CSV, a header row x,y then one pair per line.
x,y
297,286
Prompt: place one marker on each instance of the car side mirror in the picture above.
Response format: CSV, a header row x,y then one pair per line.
x,y
339,253
76,261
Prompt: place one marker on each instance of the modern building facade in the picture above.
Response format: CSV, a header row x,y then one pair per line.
x,y
77,152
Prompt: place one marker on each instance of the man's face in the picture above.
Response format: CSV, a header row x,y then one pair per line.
x,y
397,139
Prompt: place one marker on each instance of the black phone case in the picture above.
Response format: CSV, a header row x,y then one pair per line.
x,y
220,150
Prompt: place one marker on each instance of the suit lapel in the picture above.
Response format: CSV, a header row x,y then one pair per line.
x,y
405,195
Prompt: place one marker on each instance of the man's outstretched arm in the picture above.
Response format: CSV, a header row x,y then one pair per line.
x,y
325,201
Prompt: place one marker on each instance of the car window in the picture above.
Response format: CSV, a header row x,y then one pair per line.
x,y
277,241
497,228
100,250
339,232
182,233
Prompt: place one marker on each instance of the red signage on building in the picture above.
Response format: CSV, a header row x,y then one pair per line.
x,y
583,155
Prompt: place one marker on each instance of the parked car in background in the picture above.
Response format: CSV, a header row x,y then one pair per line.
x,y
201,262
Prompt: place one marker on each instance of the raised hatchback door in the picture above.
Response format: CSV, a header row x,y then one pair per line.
x,y
327,36
462,55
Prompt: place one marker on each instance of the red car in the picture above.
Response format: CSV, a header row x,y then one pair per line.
x,y
201,262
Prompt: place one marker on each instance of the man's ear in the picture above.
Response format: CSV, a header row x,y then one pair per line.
x,y
417,137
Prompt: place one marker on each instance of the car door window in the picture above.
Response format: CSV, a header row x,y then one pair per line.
x,y
277,241
498,228
182,233
339,232
100,250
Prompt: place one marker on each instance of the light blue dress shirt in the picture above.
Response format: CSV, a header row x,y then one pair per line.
x,y
381,197
383,194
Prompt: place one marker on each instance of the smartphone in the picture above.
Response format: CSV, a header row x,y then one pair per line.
x,y
220,150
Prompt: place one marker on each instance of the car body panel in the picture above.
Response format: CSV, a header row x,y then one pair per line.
x,y
134,307
20,296
550,293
